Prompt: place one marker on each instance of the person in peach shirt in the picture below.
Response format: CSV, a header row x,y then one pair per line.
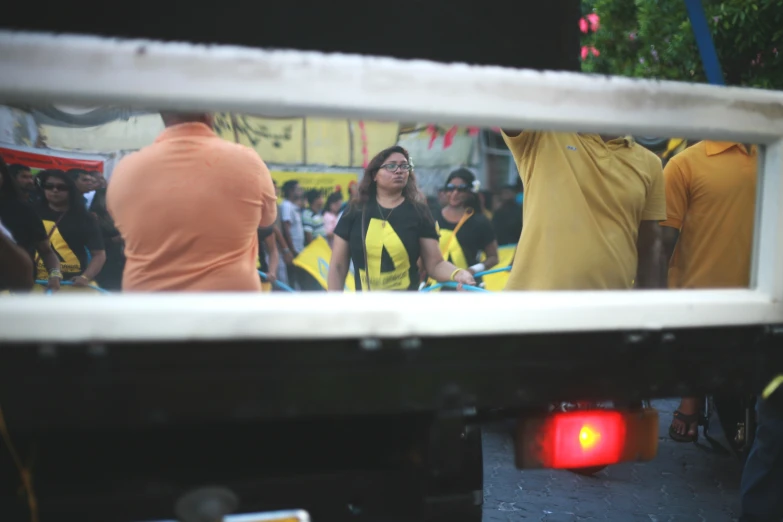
x,y
189,207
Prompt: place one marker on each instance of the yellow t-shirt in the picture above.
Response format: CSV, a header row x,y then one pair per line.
x,y
584,202
711,199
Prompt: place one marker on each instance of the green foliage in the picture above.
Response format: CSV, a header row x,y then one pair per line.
x,y
654,39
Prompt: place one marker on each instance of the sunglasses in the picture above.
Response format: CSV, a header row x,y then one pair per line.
x,y
392,167
462,188
56,186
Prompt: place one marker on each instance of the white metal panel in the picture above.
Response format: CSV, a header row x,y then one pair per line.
x,y
181,76
382,314
176,75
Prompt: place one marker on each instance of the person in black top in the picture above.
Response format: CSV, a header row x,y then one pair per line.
x,y
474,232
267,246
72,230
26,227
16,272
385,231
25,182
110,276
507,220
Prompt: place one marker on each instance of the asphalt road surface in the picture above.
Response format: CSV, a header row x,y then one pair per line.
x,y
685,482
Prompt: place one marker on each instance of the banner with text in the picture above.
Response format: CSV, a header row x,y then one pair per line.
x,y
315,258
324,182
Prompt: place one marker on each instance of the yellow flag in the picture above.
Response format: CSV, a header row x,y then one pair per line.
x,y
315,260
496,282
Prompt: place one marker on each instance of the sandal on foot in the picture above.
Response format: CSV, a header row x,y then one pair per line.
x,y
688,420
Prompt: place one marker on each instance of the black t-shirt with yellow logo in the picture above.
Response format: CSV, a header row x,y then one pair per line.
x,y
74,236
474,236
392,248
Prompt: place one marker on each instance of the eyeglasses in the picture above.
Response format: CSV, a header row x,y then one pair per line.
x,y
392,167
56,186
462,188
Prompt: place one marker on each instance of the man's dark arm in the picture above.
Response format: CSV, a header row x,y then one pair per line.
x,y
651,268
670,236
16,267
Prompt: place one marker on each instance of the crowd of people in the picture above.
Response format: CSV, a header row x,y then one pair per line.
x,y
59,218
193,233
193,212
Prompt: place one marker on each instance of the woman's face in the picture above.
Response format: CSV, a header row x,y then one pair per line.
x,y
56,190
317,204
458,190
393,174
335,207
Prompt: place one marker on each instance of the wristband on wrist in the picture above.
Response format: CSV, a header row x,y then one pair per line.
x,y
478,267
454,273
55,273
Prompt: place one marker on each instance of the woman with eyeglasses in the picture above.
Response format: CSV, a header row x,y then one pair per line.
x,y
71,229
465,232
385,231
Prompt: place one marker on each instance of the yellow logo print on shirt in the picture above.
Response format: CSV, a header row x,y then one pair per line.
x,y
69,263
454,253
380,237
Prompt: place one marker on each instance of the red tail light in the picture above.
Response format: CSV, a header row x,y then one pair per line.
x,y
581,439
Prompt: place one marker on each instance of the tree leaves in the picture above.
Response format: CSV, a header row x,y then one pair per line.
x,y
654,39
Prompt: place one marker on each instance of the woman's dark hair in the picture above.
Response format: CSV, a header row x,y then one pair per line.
x,y
462,173
333,198
368,189
75,199
8,190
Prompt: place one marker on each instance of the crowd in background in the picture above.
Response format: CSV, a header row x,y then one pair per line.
x,y
60,220
64,223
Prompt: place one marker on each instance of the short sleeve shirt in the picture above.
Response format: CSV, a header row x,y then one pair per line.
x,y
313,222
474,236
584,202
76,237
392,239
290,213
22,221
711,199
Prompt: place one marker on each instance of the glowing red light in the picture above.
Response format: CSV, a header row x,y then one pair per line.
x,y
582,439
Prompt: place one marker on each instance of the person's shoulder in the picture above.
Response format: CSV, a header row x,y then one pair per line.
x,y
480,217
241,153
413,205
128,163
40,208
645,154
694,153
480,220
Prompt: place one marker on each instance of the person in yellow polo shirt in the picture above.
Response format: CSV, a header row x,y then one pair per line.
x,y
708,232
591,213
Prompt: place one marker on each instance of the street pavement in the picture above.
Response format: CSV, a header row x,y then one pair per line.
x,y
685,482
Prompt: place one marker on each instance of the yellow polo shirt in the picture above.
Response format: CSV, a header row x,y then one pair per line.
x,y
711,199
584,202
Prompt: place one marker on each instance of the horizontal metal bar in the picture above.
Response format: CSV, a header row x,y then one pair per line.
x,y
40,67
183,317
